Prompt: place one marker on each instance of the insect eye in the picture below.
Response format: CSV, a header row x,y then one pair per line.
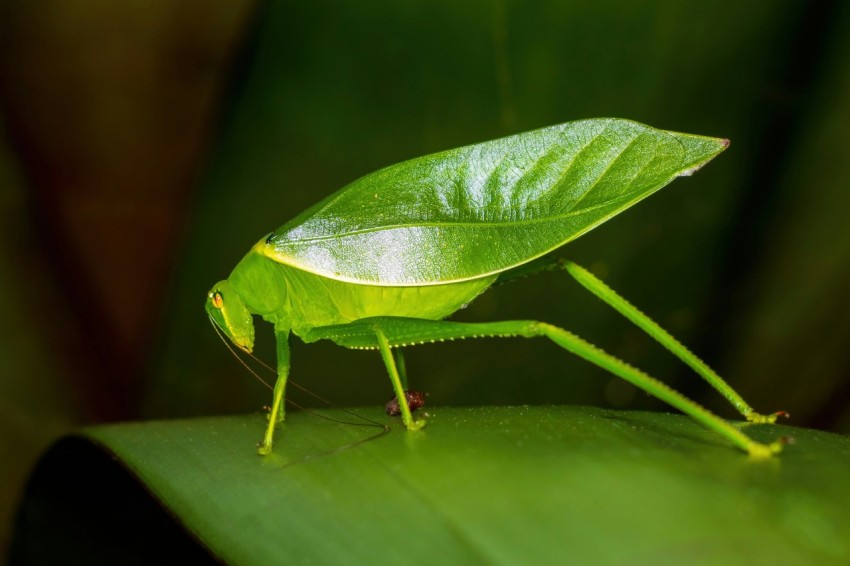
x,y
217,301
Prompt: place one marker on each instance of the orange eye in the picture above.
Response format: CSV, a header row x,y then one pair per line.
x,y
217,301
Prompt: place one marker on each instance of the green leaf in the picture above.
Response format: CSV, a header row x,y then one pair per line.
x,y
484,208
492,484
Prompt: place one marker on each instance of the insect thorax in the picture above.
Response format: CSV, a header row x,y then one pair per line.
x,y
293,298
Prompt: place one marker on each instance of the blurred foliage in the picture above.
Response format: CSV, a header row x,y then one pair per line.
x,y
35,402
106,107
791,325
107,252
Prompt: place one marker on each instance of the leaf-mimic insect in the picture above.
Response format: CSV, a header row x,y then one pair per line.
x,y
380,263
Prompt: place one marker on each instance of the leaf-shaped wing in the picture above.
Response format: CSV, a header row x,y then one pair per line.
x,y
485,208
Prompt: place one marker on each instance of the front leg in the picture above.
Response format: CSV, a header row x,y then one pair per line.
x,y
277,413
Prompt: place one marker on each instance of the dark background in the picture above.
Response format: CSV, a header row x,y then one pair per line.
x,y
146,145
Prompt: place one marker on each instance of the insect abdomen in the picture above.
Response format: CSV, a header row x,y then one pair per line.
x,y
319,301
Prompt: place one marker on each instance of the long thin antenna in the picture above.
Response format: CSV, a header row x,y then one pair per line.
x,y
320,398
235,355
368,421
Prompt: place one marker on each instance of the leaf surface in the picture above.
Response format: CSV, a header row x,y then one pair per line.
x,y
499,485
484,208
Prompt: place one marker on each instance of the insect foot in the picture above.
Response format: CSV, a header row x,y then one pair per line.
x,y
264,449
760,451
756,418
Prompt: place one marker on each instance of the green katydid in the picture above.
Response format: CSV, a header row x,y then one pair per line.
x,y
380,263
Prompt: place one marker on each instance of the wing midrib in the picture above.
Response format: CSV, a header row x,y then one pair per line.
x,y
462,224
